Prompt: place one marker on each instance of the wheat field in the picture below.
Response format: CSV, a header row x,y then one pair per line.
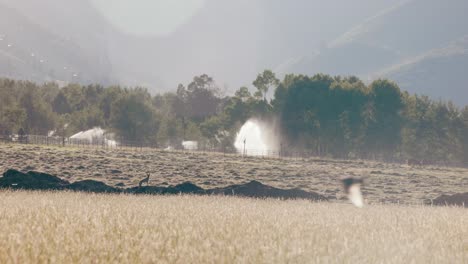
x,y
66,227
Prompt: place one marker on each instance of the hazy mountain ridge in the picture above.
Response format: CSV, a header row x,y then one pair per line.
x,y
414,43
456,48
42,52
233,41
412,26
440,73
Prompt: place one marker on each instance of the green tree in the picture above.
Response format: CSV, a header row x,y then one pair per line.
x,y
243,94
202,97
135,119
60,104
264,82
384,133
110,96
40,119
12,119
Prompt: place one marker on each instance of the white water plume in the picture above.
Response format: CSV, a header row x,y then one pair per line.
x,y
190,145
257,138
96,135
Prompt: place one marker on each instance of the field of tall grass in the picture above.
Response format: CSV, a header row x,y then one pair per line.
x,y
65,227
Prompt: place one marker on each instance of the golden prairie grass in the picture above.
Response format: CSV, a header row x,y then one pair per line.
x,y
65,227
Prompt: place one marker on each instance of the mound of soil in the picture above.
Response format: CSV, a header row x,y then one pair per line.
x,y
31,181
258,190
92,186
459,199
42,181
185,188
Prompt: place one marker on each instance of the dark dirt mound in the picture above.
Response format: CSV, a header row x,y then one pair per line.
x,y
41,181
31,181
186,188
92,186
258,190
459,199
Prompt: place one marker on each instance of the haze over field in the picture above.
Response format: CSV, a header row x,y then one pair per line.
x,y
419,43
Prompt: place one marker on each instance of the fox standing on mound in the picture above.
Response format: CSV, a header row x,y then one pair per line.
x,y
145,180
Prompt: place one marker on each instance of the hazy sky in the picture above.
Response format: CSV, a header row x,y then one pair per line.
x,y
148,17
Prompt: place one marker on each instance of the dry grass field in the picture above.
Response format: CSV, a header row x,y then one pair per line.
x,y
385,183
64,227
67,227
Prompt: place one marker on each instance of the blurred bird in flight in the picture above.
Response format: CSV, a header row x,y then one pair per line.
x,y
352,187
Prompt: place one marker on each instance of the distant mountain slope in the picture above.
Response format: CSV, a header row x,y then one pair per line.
x,y
411,26
36,51
440,73
230,40
397,35
234,40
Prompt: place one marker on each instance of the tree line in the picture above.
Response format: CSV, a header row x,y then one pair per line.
x,y
331,116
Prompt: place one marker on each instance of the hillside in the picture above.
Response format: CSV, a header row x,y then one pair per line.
x,y
440,73
234,41
396,36
216,40
43,52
